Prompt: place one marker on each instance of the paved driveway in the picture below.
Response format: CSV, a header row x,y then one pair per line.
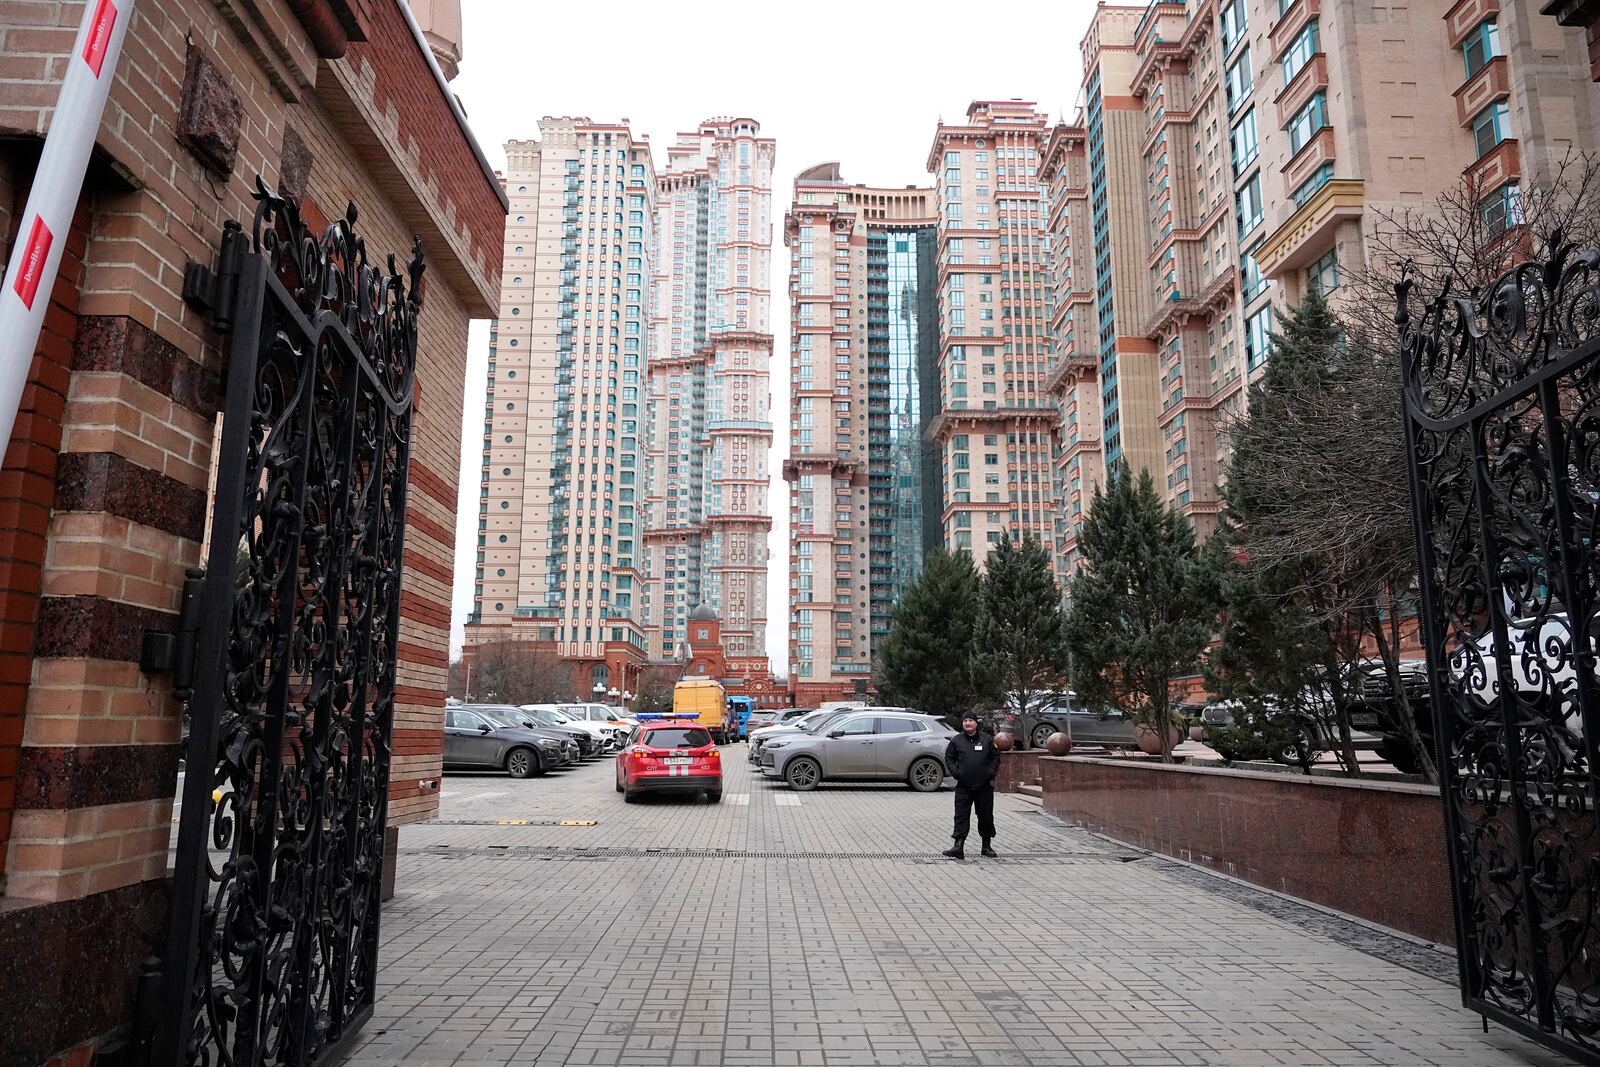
x,y
819,928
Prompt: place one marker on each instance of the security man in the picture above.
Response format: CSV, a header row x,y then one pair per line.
x,y
973,761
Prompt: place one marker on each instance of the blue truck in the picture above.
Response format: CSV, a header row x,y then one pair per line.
x,y
739,709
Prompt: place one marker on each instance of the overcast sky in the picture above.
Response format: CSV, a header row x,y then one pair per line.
x,y
864,83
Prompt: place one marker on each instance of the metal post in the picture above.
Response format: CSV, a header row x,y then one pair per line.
x,y
42,237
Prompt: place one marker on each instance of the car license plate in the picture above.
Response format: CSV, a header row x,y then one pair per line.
x,y
677,761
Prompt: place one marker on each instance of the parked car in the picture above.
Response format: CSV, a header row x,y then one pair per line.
x,y
773,717
1316,737
608,713
1085,724
893,744
548,716
759,738
669,757
475,737
601,719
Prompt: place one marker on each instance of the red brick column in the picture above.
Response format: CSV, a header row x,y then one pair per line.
x,y
27,492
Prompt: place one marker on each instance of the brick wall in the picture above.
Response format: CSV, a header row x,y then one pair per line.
x,y
105,491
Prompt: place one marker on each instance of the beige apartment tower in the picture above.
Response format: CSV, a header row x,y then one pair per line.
x,y
708,420
1231,156
997,422
559,526
863,478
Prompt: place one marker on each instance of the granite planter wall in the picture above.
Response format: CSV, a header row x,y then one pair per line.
x,y
1375,850
1017,768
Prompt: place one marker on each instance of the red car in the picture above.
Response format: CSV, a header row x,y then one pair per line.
x,y
669,757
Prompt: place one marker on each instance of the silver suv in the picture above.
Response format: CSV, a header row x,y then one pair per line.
x,y
894,744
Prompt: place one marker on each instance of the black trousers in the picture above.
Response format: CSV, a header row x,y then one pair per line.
x,y
981,797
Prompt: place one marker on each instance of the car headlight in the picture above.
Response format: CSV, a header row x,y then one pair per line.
x,y
547,743
775,744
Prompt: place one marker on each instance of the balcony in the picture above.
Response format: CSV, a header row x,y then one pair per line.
x,y
1288,28
1502,164
1306,234
1491,83
1461,19
1293,97
1304,163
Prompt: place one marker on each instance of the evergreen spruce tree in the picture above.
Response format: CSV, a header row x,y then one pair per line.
x,y
1141,609
1316,513
927,659
1021,645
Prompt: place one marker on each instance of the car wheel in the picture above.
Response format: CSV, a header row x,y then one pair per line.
x,y
629,797
1040,735
522,763
715,796
803,773
619,786
926,775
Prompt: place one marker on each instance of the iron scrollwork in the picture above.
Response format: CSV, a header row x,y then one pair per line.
x,y
1501,388
272,955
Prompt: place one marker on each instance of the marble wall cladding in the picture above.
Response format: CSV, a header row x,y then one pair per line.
x,y
1375,850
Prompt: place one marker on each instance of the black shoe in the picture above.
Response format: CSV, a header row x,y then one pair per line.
x,y
987,851
955,852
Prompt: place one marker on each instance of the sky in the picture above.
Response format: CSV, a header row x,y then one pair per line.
x,y
863,83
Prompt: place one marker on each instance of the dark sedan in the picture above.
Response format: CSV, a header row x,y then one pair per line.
x,y
474,739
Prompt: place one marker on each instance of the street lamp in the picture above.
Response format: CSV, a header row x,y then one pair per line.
x,y
599,691
612,693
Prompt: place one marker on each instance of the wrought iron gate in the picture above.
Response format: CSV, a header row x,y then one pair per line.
x,y
272,951
1502,419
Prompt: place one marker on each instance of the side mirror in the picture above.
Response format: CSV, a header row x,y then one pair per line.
x,y
836,733
484,728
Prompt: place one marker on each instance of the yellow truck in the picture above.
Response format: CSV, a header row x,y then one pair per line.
x,y
704,701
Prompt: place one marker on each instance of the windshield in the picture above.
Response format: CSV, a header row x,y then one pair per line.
x,y
499,719
815,725
673,737
544,715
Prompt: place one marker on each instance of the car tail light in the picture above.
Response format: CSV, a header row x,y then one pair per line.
x,y
640,753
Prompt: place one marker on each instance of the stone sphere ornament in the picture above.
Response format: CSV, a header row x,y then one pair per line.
x,y
1005,742
1058,744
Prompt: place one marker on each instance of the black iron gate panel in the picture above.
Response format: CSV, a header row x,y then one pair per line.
x,y
1502,418
272,953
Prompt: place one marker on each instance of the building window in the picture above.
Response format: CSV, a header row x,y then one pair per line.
x,y
1247,208
1300,52
1258,337
1243,139
1307,188
1312,117
1502,208
1233,22
1492,126
1254,283
1240,80
1482,44
1323,275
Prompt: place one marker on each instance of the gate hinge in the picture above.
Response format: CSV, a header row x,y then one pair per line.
x,y
175,652
211,292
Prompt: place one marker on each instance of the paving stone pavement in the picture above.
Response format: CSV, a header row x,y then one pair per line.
x,y
676,932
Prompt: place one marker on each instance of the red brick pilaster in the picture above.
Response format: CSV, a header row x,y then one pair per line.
x,y
27,493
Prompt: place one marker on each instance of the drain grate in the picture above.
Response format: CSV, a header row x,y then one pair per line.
x,y
601,852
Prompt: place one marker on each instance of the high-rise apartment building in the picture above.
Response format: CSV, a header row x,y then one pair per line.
x,y
997,422
1075,328
1231,155
559,525
863,477
708,431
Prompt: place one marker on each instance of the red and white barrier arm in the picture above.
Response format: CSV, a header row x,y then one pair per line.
x,y
42,235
